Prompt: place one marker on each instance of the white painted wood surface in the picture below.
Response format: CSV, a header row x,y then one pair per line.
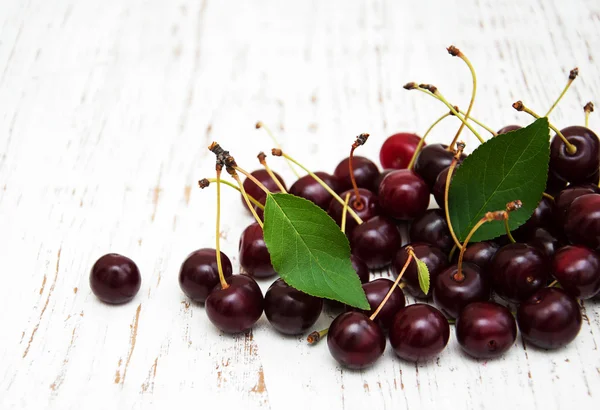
x,y
106,110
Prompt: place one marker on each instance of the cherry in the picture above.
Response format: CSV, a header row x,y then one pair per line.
x,y
577,269
115,279
376,291
508,128
480,253
434,258
355,341
451,295
543,216
397,151
518,270
199,274
485,330
254,255
432,160
306,187
403,195
254,191
289,310
582,224
365,173
549,319
369,208
382,175
554,183
419,332
376,241
432,228
545,241
439,187
580,165
361,268
565,198
236,308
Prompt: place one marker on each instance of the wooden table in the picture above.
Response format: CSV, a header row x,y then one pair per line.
x,y
106,110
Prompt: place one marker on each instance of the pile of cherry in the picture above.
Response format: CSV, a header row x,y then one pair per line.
x,y
536,281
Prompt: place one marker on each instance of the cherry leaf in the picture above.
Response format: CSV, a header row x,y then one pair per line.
x,y
424,277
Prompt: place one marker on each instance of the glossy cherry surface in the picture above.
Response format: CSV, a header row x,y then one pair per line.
x,y
582,224
289,310
479,253
199,274
431,161
306,187
518,270
376,291
355,341
545,241
253,190
115,279
565,198
485,330
369,208
432,228
451,295
439,187
254,255
542,217
549,319
397,151
403,195
361,268
577,269
419,332
376,241
508,128
581,165
433,257
366,174
236,308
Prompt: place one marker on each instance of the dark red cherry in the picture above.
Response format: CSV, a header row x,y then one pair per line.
x,y
365,174
509,128
253,190
518,270
376,291
382,175
434,258
199,274
403,195
554,183
355,341
289,310
581,165
361,268
485,330
545,241
397,151
254,255
431,161
115,278
439,187
306,187
451,295
419,332
565,198
237,308
542,217
549,319
376,241
577,269
432,228
479,253
582,225
367,209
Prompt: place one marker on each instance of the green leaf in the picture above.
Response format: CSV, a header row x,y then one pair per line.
x,y
505,168
424,278
309,251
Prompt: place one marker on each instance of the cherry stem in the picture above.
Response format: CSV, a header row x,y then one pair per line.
x,y
553,284
260,124
572,76
457,53
548,196
461,146
253,179
482,125
459,276
224,284
411,164
203,183
588,108
452,252
360,140
262,158
345,212
280,153
519,106
411,256
243,191
315,336
507,228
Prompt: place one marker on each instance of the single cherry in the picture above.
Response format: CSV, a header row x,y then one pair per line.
x,y
199,274
254,255
432,160
306,187
432,228
549,319
376,291
369,208
419,332
361,268
575,167
545,241
565,198
485,330
236,308
452,293
577,269
355,341
439,187
433,257
508,128
480,254
376,241
115,279
289,310
365,172
582,224
254,191
397,151
403,195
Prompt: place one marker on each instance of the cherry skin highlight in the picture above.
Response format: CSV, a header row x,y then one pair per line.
x,y
581,165
376,291
254,255
582,224
577,269
432,228
307,188
432,160
369,208
565,198
199,274
365,171
355,341
545,241
237,308
376,241
397,151
434,258
419,332
451,295
403,195
115,279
